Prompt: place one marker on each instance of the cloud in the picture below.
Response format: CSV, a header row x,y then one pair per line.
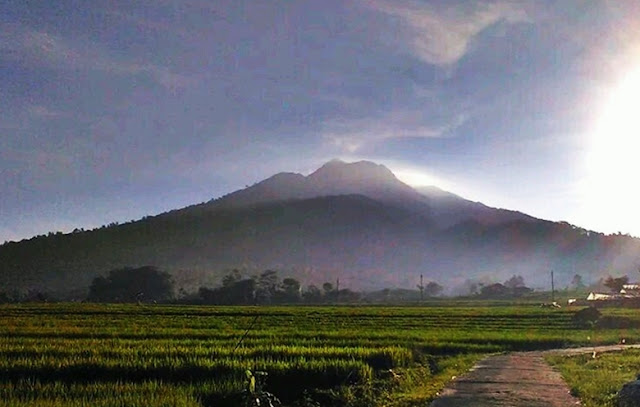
x,y
615,48
442,35
31,47
351,135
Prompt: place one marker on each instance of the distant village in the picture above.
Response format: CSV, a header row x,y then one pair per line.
x,y
621,292
628,291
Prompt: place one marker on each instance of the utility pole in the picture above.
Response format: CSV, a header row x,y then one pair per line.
x,y
421,288
553,289
337,288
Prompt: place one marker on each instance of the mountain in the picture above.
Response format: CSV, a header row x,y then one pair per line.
x,y
355,221
374,181
334,178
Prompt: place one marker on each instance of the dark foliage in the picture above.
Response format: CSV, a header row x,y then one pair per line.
x,y
514,282
577,282
498,290
312,294
291,290
433,289
132,284
267,288
347,295
615,284
232,292
586,317
520,291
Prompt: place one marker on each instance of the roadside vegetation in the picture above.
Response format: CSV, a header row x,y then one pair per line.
x,y
596,380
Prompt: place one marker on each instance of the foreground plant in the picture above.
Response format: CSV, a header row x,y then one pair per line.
x,y
255,395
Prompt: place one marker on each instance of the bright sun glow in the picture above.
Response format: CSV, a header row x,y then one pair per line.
x,y
612,190
416,178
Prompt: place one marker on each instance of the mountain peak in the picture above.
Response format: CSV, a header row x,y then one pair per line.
x,y
335,177
357,172
334,162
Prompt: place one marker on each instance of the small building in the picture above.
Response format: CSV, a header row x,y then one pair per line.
x,y
629,295
632,290
601,297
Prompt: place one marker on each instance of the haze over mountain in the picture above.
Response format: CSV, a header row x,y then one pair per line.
x,y
355,221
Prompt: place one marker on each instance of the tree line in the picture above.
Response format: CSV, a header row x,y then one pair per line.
x,y
149,284
267,288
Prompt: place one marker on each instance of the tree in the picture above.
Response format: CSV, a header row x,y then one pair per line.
x,y
230,279
433,289
132,284
244,291
267,286
239,292
586,317
520,291
291,289
576,282
207,295
616,284
514,282
329,293
494,291
312,294
346,295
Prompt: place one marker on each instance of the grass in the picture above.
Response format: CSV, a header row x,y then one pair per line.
x,y
90,354
419,384
596,381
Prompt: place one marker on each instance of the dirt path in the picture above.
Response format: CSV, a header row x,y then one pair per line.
x,y
521,379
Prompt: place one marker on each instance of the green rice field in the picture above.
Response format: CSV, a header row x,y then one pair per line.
x,y
170,355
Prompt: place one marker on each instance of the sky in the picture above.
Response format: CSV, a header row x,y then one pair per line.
x,y
113,110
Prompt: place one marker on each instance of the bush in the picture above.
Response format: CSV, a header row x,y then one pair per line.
x,y
586,317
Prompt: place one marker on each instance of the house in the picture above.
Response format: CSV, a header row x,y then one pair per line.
x,y
602,297
628,291
631,289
